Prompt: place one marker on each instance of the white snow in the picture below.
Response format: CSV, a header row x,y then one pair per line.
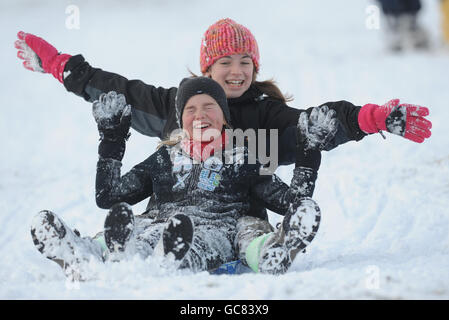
x,y
384,203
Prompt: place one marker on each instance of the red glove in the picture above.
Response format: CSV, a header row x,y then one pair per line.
x,y
40,56
405,120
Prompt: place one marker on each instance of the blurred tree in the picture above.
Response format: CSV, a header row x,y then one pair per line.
x,y
445,19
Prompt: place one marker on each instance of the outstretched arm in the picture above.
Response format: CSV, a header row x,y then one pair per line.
x,y
354,123
285,118
151,106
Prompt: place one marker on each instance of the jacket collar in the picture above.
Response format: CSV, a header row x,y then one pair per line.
x,y
249,95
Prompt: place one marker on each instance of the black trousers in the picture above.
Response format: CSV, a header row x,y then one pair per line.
x,y
398,7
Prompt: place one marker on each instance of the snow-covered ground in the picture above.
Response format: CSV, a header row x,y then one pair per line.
x,y
385,203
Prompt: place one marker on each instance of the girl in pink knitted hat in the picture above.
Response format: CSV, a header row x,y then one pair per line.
x,y
229,54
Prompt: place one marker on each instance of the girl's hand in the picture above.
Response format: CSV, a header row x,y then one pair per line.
x,y
40,56
406,120
113,115
315,131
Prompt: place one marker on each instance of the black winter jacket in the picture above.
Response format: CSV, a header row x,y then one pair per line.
x,y
153,111
215,191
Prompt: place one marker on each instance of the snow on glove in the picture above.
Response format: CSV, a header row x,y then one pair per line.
x,y
315,131
40,56
313,134
113,117
406,120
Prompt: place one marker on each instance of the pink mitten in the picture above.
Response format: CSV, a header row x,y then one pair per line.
x,y
40,56
405,120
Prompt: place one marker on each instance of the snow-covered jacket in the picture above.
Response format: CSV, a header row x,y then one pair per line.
x,y
153,108
153,111
214,191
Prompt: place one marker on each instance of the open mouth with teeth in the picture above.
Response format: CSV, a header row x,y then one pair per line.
x,y
201,125
204,131
234,83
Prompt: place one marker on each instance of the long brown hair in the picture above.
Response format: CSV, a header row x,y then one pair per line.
x,y
267,87
270,88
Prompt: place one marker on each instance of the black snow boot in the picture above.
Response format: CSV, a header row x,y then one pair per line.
x,y
118,227
177,236
297,230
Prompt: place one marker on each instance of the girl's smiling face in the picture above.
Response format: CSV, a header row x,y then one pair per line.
x,y
202,118
234,73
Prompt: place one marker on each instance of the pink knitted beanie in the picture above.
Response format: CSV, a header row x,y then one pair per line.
x,y
224,38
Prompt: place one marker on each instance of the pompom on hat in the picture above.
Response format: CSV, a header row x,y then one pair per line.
x,y
225,38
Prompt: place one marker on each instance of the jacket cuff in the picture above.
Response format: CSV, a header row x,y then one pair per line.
x,y
73,62
303,182
310,158
112,149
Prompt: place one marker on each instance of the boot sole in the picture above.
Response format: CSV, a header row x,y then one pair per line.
x,y
178,236
302,226
118,227
299,228
54,229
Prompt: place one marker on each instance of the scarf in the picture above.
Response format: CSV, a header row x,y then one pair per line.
x,y
201,150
